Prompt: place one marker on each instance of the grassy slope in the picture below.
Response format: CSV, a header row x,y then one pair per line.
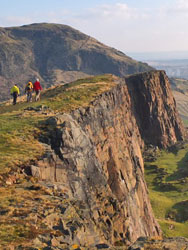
x,y
19,131
167,179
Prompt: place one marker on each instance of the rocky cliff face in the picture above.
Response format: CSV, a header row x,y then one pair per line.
x,y
155,108
95,154
56,54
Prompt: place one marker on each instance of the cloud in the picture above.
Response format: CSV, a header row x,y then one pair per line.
x,y
139,29
118,10
182,4
14,21
36,17
110,11
178,9
121,26
100,13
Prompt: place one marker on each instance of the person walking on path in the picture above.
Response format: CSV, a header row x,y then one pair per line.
x,y
15,92
37,88
28,91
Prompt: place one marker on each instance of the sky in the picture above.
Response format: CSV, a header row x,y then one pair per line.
x,y
127,25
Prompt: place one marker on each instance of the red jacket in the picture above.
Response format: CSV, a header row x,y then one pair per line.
x,y
37,86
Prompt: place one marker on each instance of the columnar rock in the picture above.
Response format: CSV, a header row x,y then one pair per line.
x,y
96,153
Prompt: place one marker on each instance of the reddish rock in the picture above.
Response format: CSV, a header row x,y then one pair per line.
x,y
155,108
96,153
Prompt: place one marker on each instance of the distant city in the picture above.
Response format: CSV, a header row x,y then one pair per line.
x,y
174,63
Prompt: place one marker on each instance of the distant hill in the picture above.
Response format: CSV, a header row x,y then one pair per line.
x,y
56,54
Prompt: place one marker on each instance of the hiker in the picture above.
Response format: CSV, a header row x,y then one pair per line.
x,y
37,88
28,91
14,92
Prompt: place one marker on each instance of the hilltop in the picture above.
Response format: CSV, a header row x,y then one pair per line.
x,y
56,54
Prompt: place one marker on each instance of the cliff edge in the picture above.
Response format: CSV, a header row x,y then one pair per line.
x,y
96,152
92,159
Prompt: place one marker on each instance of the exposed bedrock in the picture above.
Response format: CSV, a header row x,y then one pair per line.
x,y
95,152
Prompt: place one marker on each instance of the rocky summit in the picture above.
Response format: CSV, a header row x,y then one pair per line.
x,y
72,170
56,54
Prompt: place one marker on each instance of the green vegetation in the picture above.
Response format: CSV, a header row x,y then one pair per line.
x,y
79,93
18,143
167,180
185,122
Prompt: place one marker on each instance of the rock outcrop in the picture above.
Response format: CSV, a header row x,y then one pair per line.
x,y
155,108
56,54
95,154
